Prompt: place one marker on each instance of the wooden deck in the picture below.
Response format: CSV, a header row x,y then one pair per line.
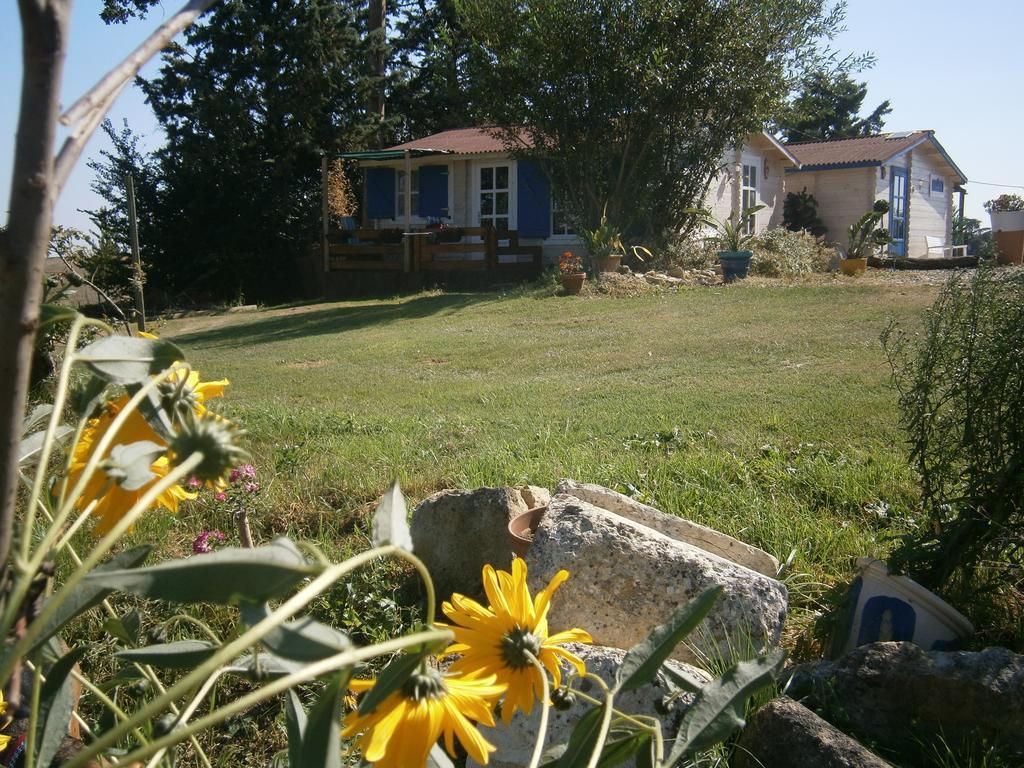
x,y
478,249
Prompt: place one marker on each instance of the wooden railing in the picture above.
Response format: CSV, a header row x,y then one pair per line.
x,y
480,248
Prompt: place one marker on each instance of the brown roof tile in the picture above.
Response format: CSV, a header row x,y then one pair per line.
x,y
463,141
868,149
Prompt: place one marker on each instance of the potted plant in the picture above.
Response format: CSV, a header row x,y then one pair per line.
x,y
731,238
604,246
1007,212
442,232
862,238
571,267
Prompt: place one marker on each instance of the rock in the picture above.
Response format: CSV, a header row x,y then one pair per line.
x,y
534,497
679,272
785,734
456,532
656,279
515,742
885,691
244,308
626,578
676,527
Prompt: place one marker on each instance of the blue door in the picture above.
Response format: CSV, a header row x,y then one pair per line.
x,y
898,211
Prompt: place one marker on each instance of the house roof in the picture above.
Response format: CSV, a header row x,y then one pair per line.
x,y
864,151
463,141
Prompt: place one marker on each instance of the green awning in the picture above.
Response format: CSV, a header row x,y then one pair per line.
x,y
391,154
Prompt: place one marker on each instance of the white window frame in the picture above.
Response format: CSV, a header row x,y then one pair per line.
x,y
400,194
560,237
477,167
748,170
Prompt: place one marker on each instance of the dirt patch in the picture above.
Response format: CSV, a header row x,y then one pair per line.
x,y
305,365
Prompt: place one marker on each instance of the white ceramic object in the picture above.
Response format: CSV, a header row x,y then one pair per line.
x,y
898,608
1007,221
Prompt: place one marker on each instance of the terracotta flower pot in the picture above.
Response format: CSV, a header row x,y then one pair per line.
x,y
522,527
573,283
607,264
853,267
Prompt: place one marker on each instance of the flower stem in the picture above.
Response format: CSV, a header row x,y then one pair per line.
x,y
542,730
606,720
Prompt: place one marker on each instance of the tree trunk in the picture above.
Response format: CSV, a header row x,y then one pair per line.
x,y
378,12
44,25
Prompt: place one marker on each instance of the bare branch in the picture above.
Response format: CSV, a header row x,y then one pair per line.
x,y
99,291
74,144
123,73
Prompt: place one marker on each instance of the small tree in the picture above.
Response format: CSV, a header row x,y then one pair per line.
x,y
635,103
800,213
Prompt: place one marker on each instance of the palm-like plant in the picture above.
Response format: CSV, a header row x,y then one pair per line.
x,y
865,235
729,233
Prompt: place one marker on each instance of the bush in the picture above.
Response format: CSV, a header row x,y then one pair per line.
x,y
800,213
782,253
961,385
686,251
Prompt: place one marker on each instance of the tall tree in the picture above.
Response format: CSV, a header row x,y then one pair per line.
x,y
248,104
828,106
631,104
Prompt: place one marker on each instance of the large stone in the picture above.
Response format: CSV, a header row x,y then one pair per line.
x,y
893,692
533,496
456,532
626,578
676,527
785,734
515,742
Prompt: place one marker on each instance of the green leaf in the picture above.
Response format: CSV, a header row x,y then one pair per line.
x,y
29,448
225,576
390,680
125,628
262,666
718,710
321,743
583,740
618,751
86,595
152,409
55,313
56,702
438,758
302,640
129,359
181,654
295,724
37,415
643,660
677,683
390,521
129,464
86,398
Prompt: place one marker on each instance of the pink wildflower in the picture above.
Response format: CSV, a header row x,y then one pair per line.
x,y
251,487
194,484
244,472
220,496
202,546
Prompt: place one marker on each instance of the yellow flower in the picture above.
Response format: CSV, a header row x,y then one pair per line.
x,y
4,740
113,501
193,392
493,640
404,727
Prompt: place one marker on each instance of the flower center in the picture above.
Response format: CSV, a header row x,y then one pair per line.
x,y
425,683
514,646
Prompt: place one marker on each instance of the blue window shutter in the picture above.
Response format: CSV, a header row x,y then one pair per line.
x,y
534,199
434,191
380,193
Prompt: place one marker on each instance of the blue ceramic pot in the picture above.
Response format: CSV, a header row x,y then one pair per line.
x,y
735,264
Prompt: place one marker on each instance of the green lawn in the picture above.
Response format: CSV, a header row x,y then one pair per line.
x,y
763,410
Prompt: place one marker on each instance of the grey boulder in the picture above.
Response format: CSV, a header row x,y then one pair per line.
x,y
626,578
785,734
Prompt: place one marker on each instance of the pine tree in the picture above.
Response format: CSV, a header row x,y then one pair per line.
x,y
828,106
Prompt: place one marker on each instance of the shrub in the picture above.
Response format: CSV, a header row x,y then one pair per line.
x,y
800,213
687,251
961,393
1005,203
782,253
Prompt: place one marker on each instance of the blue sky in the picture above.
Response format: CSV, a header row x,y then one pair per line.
x,y
946,65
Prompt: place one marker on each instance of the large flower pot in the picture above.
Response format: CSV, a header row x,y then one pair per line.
x,y
853,267
1007,221
735,264
607,264
573,284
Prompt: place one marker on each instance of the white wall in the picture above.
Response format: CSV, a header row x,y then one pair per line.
x,y
843,196
771,189
929,211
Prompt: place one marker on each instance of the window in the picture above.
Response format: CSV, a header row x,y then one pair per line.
x,y
495,195
938,186
400,193
560,224
748,197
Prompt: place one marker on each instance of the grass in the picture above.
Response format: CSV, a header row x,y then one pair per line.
x,y
763,410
